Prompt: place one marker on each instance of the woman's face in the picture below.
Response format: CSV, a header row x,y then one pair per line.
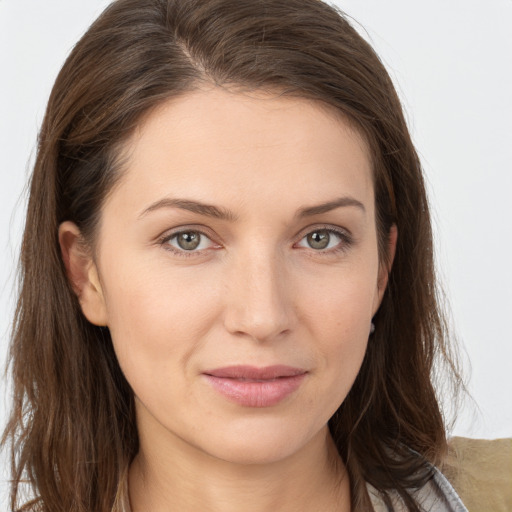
x,y
238,272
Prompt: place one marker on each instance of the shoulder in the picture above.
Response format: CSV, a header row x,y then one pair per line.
x,y
481,472
437,495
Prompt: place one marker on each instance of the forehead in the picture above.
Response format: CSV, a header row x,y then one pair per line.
x,y
226,144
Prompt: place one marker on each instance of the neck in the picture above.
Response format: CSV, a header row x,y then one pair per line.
x,y
189,480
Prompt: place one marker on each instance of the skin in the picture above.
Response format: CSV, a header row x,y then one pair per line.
x,y
254,292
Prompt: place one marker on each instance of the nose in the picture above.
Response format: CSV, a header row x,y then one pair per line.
x,y
259,302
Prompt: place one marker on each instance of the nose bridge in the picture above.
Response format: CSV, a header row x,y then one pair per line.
x,y
259,304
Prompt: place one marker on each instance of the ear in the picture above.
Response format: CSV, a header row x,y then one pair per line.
x,y
385,265
82,273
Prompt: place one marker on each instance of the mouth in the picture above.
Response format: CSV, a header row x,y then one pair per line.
x,y
249,386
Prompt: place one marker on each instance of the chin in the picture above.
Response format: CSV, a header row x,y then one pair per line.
x,y
255,453
260,445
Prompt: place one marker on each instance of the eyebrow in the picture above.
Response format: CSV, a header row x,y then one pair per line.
x,y
216,212
331,205
193,206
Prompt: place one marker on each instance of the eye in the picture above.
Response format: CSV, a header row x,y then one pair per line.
x,y
188,241
322,239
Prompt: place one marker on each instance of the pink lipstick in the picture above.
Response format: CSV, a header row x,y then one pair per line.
x,y
256,387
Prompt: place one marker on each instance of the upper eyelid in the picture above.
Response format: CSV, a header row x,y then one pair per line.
x,y
171,233
328,227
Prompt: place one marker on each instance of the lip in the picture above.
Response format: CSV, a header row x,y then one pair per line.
x,y
250,386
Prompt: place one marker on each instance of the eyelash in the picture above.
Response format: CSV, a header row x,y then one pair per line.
x,y
346,241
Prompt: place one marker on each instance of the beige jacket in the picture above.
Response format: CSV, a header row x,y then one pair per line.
x,y
481,472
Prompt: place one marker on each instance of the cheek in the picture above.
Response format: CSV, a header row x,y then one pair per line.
x,y
338,317
341,305
157,318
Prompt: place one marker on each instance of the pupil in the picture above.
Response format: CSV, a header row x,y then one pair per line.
x,y
318,239
189,240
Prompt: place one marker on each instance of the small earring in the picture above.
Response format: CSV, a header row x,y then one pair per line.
x,y
372,328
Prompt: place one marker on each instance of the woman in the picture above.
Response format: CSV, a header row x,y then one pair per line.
x,y
228,297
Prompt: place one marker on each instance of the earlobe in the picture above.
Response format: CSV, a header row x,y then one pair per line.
x,y
82,273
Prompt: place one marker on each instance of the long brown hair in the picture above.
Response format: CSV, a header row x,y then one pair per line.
x,y
72,428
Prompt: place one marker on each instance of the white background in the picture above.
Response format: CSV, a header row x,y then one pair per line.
x,y
452,64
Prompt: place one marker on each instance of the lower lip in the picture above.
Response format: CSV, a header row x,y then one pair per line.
x,y
256,393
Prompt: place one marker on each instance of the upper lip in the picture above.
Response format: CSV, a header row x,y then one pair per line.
x,y
255,373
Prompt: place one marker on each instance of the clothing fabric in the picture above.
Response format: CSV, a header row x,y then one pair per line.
x,y
480,470
436,496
